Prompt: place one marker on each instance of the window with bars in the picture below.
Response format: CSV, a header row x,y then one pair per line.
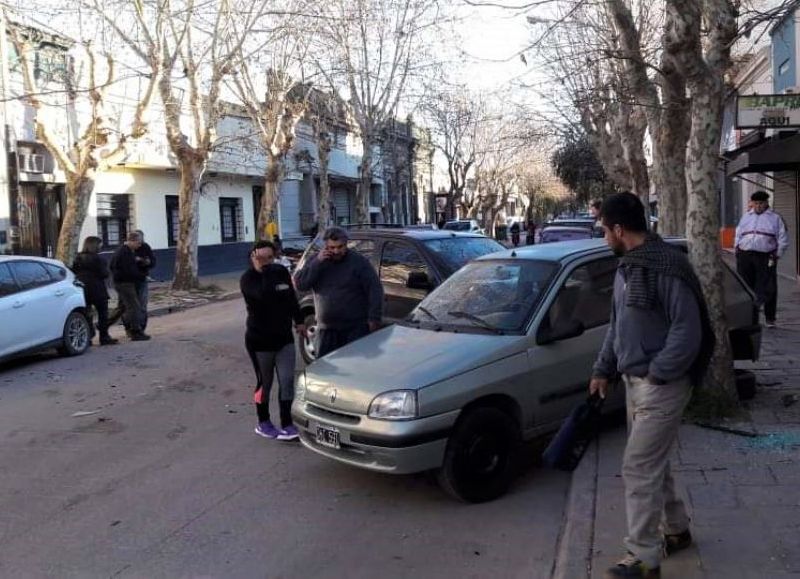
x,y
173,219
230,219
113,218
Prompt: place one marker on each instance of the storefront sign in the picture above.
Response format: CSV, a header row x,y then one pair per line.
x,y
772,111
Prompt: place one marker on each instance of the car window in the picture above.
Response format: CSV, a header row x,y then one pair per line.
x,y
585,296
490,294
365,247
398,261
30,274
456,251
7,284
457,226
56,273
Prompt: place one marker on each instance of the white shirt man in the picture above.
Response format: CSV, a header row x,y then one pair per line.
x,y
764,232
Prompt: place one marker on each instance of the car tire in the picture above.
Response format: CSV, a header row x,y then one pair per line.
x,y
308,343
479,463
75,339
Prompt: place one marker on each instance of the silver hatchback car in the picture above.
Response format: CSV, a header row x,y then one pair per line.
x,y
499,353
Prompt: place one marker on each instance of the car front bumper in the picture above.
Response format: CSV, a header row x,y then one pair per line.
x,y
396,447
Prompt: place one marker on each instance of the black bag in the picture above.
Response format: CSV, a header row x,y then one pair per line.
x,y
576,433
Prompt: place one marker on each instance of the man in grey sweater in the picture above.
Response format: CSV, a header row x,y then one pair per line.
x,y
348,296
660,341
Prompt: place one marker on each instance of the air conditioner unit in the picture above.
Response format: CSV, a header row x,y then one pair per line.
x,y
29,163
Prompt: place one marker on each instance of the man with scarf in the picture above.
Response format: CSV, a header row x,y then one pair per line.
x,y
659,341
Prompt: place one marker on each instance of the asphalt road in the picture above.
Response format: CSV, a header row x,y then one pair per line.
x,y
139,460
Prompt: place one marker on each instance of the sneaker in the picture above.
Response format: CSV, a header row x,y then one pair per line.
x,y
677,542
140,337
771,323
631,567
289,433
108,341
267,430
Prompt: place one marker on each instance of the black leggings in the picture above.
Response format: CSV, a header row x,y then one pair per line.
x,y
269,365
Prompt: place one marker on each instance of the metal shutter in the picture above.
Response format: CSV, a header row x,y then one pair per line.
x,y
341,201
784,202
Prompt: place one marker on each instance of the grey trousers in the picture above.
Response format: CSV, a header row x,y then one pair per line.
x,y
651,504
280,365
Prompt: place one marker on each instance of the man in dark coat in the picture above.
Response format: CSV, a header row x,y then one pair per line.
x,y
92,272
127,274
146,260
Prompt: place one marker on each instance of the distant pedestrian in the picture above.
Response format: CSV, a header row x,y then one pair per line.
x,y
146,261
515,233
348,296
92,272
127,275
280,258
660,341
530,232
271,308
761,239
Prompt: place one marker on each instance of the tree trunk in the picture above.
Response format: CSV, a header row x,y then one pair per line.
x,y
191,171
268,212
363,193
324,201
78,192
719,393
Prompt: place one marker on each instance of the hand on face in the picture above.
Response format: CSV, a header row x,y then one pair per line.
x,y
261,257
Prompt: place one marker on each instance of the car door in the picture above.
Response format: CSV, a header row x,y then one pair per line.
x,y
560,370
14,335
41,301
406,277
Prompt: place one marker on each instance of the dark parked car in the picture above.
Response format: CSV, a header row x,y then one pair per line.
x,y
410,263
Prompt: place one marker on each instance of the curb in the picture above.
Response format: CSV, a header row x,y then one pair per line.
x,y
173,309
574,548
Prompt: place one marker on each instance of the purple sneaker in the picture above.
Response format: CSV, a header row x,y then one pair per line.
x,y
267,430
289,433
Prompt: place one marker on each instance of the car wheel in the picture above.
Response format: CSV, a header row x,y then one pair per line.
x,y
308,344
479,460
75,340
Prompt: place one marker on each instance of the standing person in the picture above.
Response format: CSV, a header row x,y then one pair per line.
x,y
594,210
146,261
761,240
515,233
91,271
530,236
279,256
271,308
127,275
660,341
348,296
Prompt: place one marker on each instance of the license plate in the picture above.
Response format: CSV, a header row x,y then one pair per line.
x,y
327,436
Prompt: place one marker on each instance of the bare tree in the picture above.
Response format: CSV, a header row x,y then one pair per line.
x,y
93,145
184,45
371,49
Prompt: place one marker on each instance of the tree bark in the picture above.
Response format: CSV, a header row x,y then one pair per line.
x,y
186,267
268,212
78,191
365,186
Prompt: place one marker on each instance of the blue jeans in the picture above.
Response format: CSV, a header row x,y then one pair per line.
x,y
143,291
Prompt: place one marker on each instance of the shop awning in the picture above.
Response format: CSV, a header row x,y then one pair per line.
x,y
776,154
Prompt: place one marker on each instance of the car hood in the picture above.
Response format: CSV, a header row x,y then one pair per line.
x,y
398,358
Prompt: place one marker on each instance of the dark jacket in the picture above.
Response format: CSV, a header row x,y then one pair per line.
x,y
271,307
347,293
146,252
124,267
92,272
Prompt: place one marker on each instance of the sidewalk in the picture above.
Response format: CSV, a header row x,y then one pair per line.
x,y
743,493
213,288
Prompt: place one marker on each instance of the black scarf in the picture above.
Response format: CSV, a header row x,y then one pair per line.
x,y
643,266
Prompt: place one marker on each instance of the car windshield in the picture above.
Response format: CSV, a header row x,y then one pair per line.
x,y
456,251
457,225
493,295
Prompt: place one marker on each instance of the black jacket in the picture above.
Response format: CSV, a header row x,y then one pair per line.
x,y
124,266
271,307
146,252
92,272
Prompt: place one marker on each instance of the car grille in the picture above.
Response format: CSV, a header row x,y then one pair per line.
x,y
324,414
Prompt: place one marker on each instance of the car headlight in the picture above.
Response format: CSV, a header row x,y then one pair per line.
x,y
300,387
395,405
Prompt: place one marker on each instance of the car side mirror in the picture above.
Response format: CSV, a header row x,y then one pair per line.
x,y
568,330
418,280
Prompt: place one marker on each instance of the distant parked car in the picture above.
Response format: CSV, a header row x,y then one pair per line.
x,y
552,233
41,306
499,353
409,262
465,225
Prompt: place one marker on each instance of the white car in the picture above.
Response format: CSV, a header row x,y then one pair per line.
x,y
41,306
464,225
